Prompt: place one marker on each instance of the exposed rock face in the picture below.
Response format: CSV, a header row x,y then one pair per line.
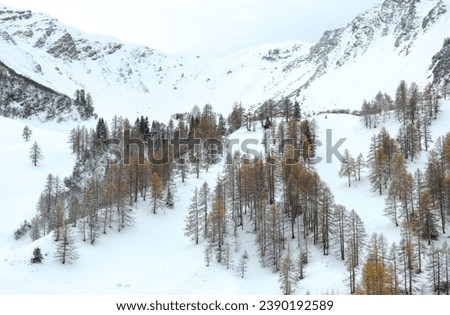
x,y
399,18
64,48
7,38
434,15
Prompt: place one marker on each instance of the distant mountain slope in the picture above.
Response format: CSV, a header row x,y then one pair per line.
x,y
392,41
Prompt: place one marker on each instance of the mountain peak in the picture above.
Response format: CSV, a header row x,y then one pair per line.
x,y
383,41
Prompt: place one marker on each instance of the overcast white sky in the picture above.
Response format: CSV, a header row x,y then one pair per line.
x,y
207,27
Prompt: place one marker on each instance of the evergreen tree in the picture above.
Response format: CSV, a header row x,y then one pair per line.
x,y
297,113
101,130
222,125
236,117
171,189
22,230
287,106
37,256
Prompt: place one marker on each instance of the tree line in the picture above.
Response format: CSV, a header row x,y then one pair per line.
x,y
416,202
280,198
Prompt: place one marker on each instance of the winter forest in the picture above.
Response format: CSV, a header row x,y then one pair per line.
x,y
282,193
275,195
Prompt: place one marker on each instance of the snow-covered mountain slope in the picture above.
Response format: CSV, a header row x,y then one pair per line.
x,y
392,41
125,78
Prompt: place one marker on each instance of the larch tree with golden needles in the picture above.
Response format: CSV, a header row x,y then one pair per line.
x,y
217,228
377,277
157,191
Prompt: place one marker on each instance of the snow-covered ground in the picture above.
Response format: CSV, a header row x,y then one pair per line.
x,y
154,256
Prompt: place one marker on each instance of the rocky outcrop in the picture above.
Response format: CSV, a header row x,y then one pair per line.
x,y
398,18
64,48
434,14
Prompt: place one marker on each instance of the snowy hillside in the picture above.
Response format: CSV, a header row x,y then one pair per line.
x,y
159,258
125,78
151,253
392,41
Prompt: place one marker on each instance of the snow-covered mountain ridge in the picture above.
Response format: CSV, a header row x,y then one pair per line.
x,y
392,41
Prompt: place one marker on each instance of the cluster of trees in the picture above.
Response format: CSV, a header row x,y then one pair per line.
x,y
410,106
413,108
285,108
419,200
351,167
284,202
117,166
395,269
416,202
84,104
22,97
277,195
